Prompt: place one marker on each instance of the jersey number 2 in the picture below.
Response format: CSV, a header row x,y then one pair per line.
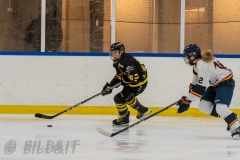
x,y
200,80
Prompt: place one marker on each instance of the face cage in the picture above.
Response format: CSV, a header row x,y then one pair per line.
x,y
188,61
111,57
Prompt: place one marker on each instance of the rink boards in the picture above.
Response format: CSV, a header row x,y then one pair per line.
x,y
50,83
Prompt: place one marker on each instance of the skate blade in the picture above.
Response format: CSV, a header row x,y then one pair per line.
x,y
119,125
236,137
146,114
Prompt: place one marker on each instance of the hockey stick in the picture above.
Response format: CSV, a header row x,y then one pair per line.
x,y
39,115
103,132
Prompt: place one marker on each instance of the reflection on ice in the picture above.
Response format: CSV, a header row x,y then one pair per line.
x,y
157,138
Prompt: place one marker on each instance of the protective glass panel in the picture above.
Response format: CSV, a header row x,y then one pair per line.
x,y
15,16
142,25
86,25
71,25
149,26
213,24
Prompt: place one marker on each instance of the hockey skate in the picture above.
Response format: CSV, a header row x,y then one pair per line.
x,y
122,119
236,134
143,112
235,130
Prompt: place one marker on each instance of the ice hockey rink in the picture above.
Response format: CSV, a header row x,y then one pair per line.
x,y
74,137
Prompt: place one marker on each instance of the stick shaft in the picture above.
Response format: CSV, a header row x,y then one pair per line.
x,y
38,115
134,124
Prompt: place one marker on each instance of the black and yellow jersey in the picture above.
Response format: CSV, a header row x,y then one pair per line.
x,y
129,71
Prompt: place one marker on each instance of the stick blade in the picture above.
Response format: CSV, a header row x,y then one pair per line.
x,y
39,115
103,132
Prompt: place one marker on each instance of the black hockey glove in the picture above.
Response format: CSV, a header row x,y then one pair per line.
x,y
107,89
183,104
191,87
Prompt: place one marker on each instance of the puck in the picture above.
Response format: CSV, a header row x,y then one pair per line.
x,y
49,125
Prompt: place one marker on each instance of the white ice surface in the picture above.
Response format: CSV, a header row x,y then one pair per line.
x,y
164,138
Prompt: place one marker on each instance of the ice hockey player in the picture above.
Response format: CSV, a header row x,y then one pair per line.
x,y
133,76
215,100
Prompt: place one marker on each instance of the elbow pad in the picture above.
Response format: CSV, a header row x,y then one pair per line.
x,y
198,90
